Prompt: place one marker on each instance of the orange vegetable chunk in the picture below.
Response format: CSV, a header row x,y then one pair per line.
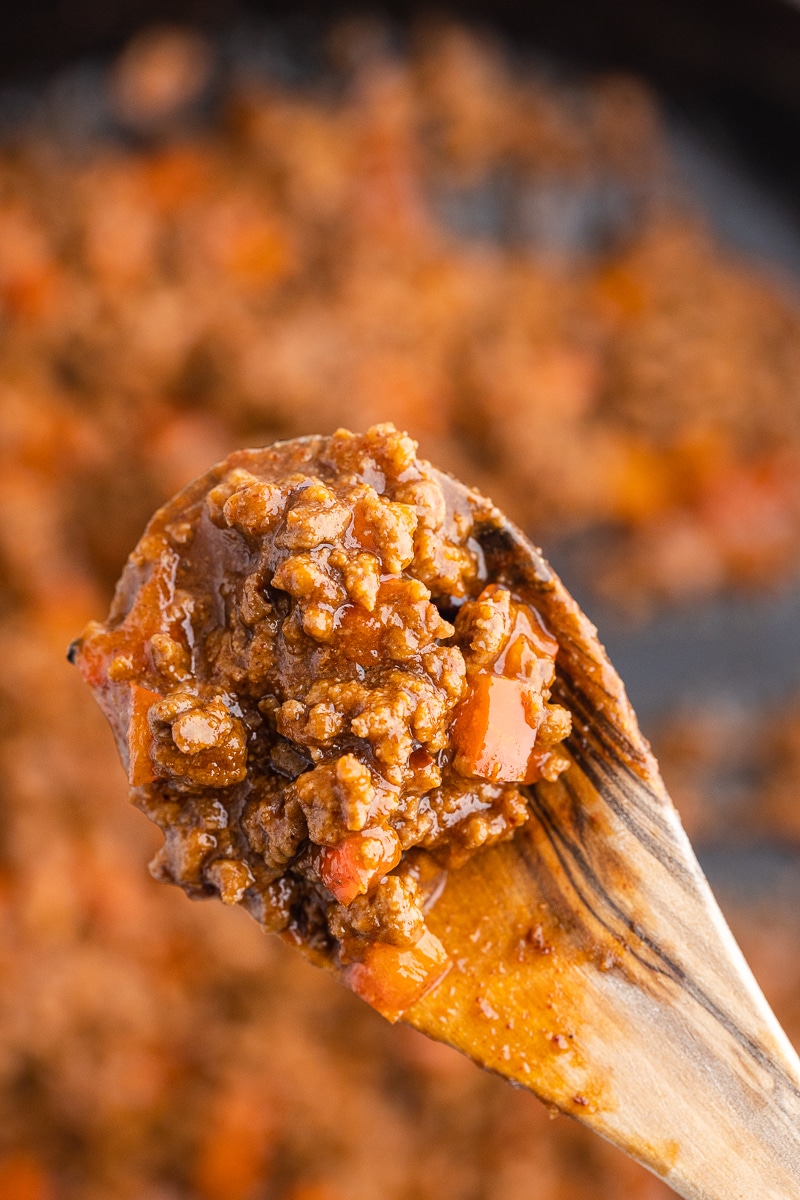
x,y
392,978
491,733
348,870
140,738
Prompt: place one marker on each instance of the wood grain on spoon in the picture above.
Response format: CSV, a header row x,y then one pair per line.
x,y
592,963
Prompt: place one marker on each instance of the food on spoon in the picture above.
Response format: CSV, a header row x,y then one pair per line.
x,y
322,700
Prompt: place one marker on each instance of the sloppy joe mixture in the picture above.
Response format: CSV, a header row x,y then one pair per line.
x,y
481,245
322,701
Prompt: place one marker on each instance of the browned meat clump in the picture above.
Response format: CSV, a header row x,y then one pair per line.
x,y
321,699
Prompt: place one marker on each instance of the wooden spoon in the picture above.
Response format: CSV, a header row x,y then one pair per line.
x,y
592,963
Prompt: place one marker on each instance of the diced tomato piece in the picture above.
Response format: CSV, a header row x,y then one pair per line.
x,y
491,734
392,978
349,869
140,738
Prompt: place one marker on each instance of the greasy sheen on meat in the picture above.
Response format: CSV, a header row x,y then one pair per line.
x,y
322,700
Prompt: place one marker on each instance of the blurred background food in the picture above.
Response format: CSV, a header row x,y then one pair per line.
x,y
567,286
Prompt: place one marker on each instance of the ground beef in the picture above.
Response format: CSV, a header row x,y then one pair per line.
x,y
320,697
307,253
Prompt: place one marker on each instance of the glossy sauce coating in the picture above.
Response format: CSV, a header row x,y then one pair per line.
x,y
321,700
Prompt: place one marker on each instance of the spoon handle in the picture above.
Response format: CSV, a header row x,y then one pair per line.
x,y
635,1013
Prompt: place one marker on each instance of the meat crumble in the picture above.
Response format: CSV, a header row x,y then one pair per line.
x,y
322,700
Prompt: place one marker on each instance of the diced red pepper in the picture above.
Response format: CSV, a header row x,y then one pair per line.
x,y
349,869
491,734
140,737
392,978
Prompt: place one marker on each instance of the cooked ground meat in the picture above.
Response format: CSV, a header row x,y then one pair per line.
x,y
320,698
292,258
